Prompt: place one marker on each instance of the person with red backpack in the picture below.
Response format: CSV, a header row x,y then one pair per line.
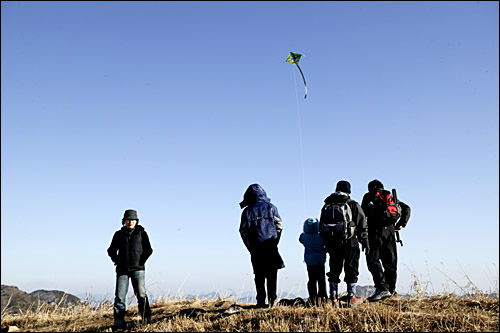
x,y
385,217
343,227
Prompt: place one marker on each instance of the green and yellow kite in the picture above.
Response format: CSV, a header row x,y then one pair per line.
x,y
294,59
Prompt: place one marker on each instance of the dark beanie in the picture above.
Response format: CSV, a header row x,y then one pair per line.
x,y
375,184
343,186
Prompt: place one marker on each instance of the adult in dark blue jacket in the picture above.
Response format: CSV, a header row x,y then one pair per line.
x,y
315,259
260,229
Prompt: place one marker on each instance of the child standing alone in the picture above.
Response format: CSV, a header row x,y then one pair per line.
x,y
315,259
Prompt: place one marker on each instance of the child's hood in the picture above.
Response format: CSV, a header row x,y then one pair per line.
x,y
311,225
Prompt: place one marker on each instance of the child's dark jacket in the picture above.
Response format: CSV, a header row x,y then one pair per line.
x,y
314,252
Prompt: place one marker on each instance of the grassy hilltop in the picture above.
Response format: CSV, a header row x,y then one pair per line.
x,y
419,313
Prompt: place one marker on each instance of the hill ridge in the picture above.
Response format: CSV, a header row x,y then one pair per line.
x,y
15,300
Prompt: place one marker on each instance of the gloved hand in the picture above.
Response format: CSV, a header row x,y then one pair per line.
x,y
365,246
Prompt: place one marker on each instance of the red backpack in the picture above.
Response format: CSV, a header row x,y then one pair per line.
x,y
390,211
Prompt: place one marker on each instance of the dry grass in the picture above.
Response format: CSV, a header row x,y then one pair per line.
x,y
443,313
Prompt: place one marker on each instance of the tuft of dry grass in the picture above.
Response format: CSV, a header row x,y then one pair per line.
x,y
443,313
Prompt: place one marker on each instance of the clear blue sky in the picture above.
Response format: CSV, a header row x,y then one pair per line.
x,y
174,108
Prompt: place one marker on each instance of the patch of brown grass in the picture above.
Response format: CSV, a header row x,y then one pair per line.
x,y
443,313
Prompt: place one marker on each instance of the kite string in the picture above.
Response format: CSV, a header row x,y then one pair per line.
x,y
300,140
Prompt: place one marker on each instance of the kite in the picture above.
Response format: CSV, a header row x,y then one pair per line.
x,y
294,59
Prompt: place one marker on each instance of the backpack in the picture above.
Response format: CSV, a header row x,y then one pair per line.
x,y
260,223
387,209
338,224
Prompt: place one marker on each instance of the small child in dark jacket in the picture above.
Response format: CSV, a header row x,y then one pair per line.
x,y
315,259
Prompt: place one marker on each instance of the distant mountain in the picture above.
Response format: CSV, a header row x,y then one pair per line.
x,y
247,297
15,300
55,297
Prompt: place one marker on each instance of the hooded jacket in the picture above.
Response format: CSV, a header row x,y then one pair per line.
x,y
314,244
260,220
358,218
260,228
129,251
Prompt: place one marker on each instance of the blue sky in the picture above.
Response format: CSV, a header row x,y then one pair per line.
x,y
174,108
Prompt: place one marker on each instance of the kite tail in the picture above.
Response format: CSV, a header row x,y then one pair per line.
x,y
303,78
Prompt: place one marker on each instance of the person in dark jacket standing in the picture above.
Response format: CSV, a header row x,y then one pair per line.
x,y
343,250
382,258
129,250
315,259
260,230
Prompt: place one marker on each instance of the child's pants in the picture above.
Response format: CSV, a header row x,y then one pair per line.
x,y
316,286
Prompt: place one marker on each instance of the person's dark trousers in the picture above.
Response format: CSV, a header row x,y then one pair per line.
x,y
138,283
382,259
316,286
263,277
347,257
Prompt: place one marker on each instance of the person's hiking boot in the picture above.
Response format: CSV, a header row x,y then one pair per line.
x,y
351,289
118,325
353,300
379,294
334,293
394,293
119,322
260,306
